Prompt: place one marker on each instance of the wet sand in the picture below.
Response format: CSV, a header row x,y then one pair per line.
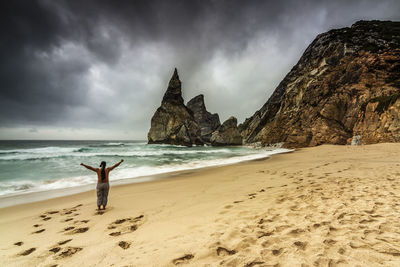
x,y
321,206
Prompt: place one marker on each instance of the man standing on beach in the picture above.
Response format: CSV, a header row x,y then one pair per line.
x,y
102,182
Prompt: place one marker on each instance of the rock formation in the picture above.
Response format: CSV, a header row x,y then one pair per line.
x,y
347,83
208,122
173,123
227,134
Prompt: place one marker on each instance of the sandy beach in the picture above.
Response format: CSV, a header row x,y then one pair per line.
x,y
320,206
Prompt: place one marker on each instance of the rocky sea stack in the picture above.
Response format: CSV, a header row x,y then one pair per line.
x,y
176,124
345,85
173,123
208,122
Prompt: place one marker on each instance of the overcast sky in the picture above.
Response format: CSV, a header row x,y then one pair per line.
x,y
98,69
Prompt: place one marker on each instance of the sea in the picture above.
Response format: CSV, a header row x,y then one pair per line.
x,y
45,166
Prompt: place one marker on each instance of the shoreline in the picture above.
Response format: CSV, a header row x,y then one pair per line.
x,y
14,199
155,179
319,206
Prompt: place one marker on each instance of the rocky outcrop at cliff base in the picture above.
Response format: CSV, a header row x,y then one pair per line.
x,y
227,134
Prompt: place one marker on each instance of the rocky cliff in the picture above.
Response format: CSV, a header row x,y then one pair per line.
x,y
227,134
208,122
173,123
347,83
176,124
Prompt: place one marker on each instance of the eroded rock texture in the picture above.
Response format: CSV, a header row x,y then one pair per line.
x,y
173,123
208,122
227,134
346,83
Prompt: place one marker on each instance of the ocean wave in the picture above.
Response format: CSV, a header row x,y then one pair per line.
x,y
41,150
111,144
114,144
21,187
36,153
87,152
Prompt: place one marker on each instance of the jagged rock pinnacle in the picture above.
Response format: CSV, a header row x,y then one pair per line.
x,y
208,122
174,90
173,123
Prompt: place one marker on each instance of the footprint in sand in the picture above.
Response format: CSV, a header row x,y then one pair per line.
x,y
55,250
300,245
124,244
125,225
252,195
277,252
80,230
72,230
27,252
64,242
69,211
39,231
263,234
37,225
68,252
366,221
115,233
52,212
20,243
341,251
183,259
221,251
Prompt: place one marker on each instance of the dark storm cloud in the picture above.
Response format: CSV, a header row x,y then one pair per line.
x,y
81,63
32,88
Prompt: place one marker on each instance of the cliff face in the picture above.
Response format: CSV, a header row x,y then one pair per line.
x,y
208,122
173,123
347,83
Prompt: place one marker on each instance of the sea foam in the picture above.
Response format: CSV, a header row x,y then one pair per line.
x,y
120,174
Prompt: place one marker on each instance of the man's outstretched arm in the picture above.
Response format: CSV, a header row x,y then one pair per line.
x,y
89,167
116,165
